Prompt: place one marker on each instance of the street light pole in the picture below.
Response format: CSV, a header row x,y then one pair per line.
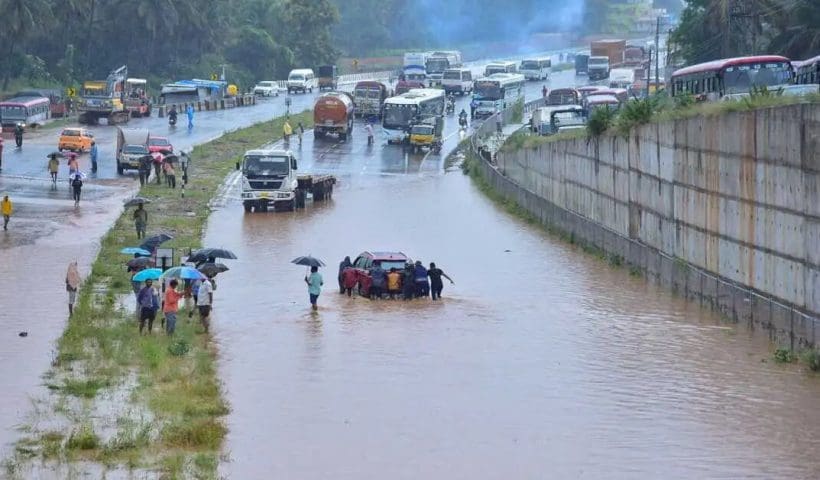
x,y
657,51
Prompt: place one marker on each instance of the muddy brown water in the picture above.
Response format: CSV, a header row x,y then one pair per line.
x,y
541,361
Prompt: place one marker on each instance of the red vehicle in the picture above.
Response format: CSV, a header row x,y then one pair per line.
x,y
333,113
159,144
712,80
807,72
564,96
364,262
26,110
405,86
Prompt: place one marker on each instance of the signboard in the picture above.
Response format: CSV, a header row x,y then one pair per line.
x,y
165,258
214,77
71,91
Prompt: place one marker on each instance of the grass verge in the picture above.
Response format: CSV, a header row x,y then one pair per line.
x,y
165,393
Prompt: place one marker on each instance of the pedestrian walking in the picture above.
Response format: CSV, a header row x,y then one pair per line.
x,y
301,129
77,188
393,283
190,112
94,153
314,282
342,265
158,161
140,220
170,306
422,285
544,91
287,131
145,169
73,167
1,152
72,284
205,301
195,295
148,302
379,280
369,129
6,208
53,169
408,281
170,175
436,285
473,106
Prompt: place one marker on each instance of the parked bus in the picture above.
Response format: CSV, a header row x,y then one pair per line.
x,y
500,67
401,111
536,68
27,110
717,78
497,92
369,96
807,71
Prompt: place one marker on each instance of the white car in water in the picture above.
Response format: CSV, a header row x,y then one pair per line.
x,y
267,88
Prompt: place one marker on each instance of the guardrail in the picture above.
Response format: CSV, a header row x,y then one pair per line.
x,y
243,100
489,128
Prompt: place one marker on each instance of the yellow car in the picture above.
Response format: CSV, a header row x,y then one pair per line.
x,y
424,135
75,139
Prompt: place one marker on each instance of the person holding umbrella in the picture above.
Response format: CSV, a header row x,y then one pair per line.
x,y
314,282
53,168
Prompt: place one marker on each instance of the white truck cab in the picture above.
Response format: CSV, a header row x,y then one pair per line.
x,y
269,179
302,80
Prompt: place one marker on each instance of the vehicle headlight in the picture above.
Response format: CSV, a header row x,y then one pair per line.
x,y
246,185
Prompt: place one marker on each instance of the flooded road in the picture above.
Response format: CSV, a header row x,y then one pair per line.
x,y
541,362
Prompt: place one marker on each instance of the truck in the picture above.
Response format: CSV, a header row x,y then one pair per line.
x,y
269,180
598,68
438,62
333,114
581,64
328,77
104,99
613,49
137,102
132,147
415,66
369,97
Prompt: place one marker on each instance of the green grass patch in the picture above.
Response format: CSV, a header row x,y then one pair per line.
x,y
784,355
172,379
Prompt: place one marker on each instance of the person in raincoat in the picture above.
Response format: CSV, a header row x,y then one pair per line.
x,y
190,112
6,208
342,265
287,131
158,160
77,187
53,168
72,284
349,279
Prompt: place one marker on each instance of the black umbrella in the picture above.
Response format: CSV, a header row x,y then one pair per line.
x,y
151,243
133,202
211,269
141,262
205,254
308,261
55,154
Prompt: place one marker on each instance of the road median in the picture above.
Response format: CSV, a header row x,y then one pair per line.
x,y
119,400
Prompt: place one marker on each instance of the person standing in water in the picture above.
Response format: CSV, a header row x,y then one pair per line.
x,y
436,285
342,265
314,282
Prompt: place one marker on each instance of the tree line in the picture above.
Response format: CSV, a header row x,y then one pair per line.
x,y
711,29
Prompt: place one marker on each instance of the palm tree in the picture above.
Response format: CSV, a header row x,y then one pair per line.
x,y
798,29
22,19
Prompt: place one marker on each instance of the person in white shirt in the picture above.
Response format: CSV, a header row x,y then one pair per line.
x,y
204,301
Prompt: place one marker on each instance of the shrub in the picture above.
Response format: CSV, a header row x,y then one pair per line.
x,y
637,111
811,358
518,111
600,120
784,355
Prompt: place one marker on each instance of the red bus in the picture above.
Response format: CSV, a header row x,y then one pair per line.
x,y
27,110
717,78
807,72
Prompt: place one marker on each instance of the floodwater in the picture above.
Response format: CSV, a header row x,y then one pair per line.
x,y
541,361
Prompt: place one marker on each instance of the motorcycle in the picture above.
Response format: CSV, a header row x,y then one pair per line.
x,y
462,120
172,120
451,106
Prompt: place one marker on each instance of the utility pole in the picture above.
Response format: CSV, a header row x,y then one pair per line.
x,y
649,72
657,50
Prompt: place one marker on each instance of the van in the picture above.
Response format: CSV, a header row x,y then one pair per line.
x,y
301,80
500,67
457,80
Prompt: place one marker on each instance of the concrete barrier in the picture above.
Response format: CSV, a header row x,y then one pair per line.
x,y
723,210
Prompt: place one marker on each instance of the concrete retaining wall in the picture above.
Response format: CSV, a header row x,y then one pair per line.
x,y
725,210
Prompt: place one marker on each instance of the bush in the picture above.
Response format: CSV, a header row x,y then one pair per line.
x,y
784,355
179,348
600,120
638,111
518,111
811,358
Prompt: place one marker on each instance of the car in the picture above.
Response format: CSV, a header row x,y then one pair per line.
x,y
267,88
75,139
159,144
364,262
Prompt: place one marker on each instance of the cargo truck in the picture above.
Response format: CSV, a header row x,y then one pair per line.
x,y
269,180
612,49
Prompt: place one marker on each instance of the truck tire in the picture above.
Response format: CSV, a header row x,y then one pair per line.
x,y
317,134
342,136
299,198
248,206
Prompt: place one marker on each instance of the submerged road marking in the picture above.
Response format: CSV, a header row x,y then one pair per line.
x,y
424,159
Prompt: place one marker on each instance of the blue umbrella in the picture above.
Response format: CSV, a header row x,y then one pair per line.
x,y
148,274
135,251
184,273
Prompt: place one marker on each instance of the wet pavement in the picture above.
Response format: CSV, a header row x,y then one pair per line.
x,y
541,361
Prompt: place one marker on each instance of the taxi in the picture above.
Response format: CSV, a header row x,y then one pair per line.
x,y
75,140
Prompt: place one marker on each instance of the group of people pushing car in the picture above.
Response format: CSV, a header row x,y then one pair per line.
x,y
414,281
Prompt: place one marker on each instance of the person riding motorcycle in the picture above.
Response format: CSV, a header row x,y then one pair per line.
x,y
462,118
172,115
451,103
18,134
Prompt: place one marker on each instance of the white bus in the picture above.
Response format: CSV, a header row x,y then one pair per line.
x,y
400,111
500,67
415,64
438,62
536,68
497,92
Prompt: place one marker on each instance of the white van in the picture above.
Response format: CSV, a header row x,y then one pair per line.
x,y
500,67
536,68
302,80
457,80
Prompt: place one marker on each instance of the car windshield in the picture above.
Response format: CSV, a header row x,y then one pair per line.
x,y
71,133
741,78
491,70
452,75
437,65
265,84
266,165
135,150
422,130
297,78
158,142
388,264
598,60
398,115
529,65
